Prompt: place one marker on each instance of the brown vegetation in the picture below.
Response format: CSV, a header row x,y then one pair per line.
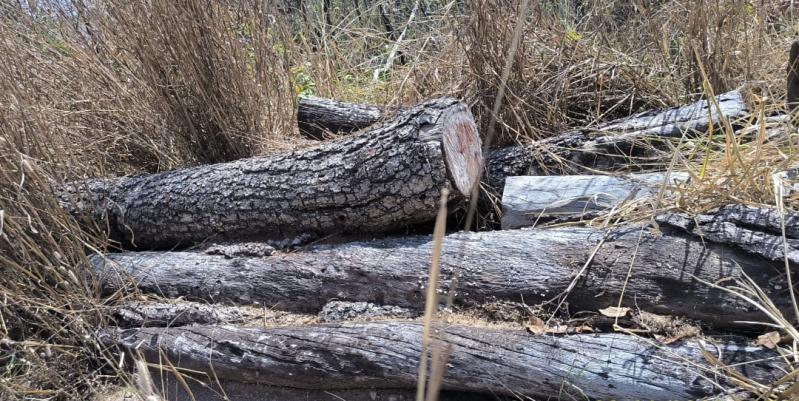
x,y
98,89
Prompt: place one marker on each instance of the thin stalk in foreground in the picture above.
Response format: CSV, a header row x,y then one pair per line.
x,y
503,83
431,302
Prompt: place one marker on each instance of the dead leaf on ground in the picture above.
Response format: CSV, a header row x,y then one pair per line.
x,y
769,340
613,311
539,327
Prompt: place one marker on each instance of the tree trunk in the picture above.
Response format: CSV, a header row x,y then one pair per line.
x,y
319,118
485,360
530,266
384,179
627,143
634,143
527,200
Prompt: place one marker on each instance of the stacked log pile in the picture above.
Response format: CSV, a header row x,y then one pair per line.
x,y
359,192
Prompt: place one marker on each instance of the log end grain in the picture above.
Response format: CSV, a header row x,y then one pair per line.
x,y
462,148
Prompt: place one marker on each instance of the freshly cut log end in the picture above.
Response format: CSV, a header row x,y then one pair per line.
x,y
384,179
462,148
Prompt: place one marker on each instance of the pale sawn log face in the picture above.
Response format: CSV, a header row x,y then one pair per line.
x,y
531,266
527,200
380,180
488,360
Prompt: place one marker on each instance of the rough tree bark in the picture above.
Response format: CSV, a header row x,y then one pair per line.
x,y
634,143
629,142
319,118
384,179
487,360
530,266
757,230
530,199
160,314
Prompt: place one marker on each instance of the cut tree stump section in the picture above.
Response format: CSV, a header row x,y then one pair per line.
x,y
384,179
530,199
530,266
319,118
485,360
634,144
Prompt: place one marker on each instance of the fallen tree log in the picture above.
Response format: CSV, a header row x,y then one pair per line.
x,y
385,179
633,144
486,360
624,142
757,230
318,117
531,266
529,199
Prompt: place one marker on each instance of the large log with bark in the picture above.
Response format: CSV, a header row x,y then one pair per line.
x,y
319,118
635,143
530,199
381,180
630,142
485,360
660,273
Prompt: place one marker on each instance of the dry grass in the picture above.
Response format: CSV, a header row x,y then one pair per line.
x,y
116,88
113,87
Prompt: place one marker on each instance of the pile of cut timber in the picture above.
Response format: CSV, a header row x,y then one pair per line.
x,y
383,179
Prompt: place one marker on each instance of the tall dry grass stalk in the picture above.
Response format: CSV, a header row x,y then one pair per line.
x,y
48,313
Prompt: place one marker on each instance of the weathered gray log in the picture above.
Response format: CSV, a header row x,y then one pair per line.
x,y
531,266
319,117
529,199
757,230
383,179
632,144
486,360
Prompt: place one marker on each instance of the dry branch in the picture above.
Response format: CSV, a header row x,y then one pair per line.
x,y
633,144
486,360
531,266
384,179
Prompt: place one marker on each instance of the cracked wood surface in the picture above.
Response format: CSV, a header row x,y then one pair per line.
x,y
487,360
531,266
380,180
